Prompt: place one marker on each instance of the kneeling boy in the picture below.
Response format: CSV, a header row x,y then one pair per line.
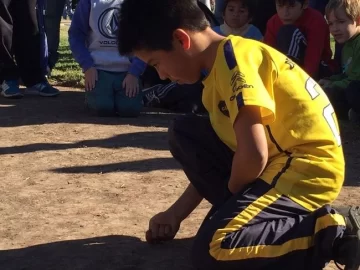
x,y
268,158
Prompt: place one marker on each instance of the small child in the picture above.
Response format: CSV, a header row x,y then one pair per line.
x,y
111,80
344,89
302,34
237,16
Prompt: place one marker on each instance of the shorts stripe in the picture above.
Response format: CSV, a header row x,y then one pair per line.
x,y
243,239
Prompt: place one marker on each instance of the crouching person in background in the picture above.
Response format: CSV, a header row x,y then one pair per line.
x,y
238,15
344,89
111,80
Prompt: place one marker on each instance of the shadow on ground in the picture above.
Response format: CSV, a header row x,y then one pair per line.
x,y
152,140
67,108
105,253
140,166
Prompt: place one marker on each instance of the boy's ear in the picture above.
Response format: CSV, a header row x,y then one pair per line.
x,y
358,22
182,37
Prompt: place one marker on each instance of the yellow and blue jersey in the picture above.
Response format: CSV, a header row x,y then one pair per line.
x,y
304,145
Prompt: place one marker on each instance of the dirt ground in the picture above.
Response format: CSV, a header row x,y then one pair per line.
x,y
77,191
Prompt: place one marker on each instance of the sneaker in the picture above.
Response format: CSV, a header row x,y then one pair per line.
x,y
43,89
10,89
354,116
150,95
347,249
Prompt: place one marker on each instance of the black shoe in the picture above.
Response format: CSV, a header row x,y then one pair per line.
x,y
347,249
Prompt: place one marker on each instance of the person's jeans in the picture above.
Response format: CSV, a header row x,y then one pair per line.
x,y
54,11
20,37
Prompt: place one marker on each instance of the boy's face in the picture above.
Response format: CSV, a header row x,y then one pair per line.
x,y
178,65
290,13
236,15
341,26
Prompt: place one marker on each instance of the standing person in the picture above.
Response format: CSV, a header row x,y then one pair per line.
x,y
53,12
111,80
269,157
20,37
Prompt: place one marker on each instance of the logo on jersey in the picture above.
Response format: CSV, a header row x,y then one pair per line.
x,y
238,82
108,22
223,108
289,62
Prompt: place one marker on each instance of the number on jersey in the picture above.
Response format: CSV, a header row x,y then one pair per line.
x,y
328,111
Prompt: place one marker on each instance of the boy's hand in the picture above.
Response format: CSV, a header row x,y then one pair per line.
x,y
324,83
91,76
131,85
162,227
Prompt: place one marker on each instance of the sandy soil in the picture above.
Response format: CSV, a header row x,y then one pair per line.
x,y
78,191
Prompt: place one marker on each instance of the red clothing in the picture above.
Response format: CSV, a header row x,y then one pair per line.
x,y
316,31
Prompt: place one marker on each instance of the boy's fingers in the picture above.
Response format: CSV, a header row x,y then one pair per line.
x,y
161,233
92,83
155,232
148,236
87,85
153,228
167,230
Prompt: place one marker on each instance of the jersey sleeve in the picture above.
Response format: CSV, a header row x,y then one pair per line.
x,y
242,83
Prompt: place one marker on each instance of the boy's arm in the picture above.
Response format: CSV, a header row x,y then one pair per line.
x,y
137,67
336,77
316,35
186,203
251,154
78,32
353,74
270,33
251,106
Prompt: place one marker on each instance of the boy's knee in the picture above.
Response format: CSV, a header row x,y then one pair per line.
x,y
355,86
185,129
353,95
100,108
201,258
287,30
288,38
176,131
173,135
128,107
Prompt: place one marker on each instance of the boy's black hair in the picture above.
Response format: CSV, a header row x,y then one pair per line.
x,y
290,2
149,24
250,5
